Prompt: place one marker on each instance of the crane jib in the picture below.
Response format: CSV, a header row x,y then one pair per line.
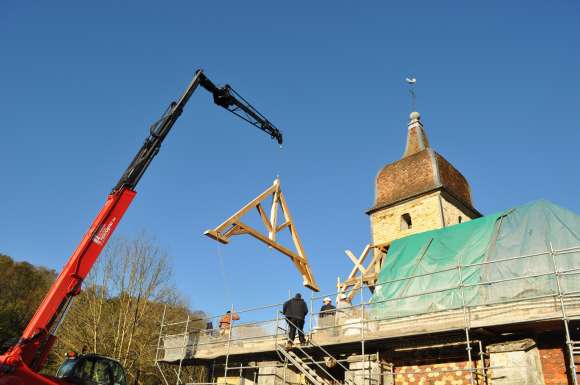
x,y
20,364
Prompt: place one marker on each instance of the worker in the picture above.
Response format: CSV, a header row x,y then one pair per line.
x,y
343,302
327,308
209,330
295,311
226,322
343,308
326,317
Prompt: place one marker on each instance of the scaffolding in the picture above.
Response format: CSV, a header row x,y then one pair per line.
x,y
262,329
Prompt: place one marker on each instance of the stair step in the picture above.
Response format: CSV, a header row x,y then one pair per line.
x,y
311,374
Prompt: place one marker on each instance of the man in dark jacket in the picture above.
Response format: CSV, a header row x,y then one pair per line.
x,y
295,311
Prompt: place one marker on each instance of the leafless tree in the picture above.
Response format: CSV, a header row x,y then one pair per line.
x,y
119,311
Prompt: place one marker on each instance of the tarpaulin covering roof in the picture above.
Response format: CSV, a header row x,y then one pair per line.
x,y
528,252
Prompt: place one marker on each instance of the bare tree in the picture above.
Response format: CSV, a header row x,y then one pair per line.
x,y
119,311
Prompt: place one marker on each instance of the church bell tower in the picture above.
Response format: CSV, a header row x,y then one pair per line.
x,y
419,192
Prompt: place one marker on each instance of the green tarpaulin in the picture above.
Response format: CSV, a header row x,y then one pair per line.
x,y
497,258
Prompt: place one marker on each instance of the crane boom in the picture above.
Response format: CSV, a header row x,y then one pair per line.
x,y
21,362
222,96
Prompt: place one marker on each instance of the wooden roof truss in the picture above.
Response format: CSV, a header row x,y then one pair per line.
x,y
235,226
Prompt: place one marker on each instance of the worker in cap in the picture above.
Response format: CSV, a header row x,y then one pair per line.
x,y
327,308
326,317
343,308
343,301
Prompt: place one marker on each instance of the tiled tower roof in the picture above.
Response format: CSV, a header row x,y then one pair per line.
x,y
419,171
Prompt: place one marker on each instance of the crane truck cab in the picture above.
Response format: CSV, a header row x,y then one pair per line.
x,y
91,369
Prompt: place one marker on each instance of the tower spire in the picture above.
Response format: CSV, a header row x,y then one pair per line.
x,y
416,137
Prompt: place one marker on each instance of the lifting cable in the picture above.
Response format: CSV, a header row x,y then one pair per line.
x,y
225,281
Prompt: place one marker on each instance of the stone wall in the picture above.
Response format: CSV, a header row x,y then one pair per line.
x,y
447,373
425,214
270,373
452,213
368,370
539,359
444,363
519,362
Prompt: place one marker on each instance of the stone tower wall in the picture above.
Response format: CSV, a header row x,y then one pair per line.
x,y
452,212
425,212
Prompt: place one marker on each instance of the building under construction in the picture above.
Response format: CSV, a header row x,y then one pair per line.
x,y
453,297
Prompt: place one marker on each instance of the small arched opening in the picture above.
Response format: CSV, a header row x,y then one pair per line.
x,y
406,222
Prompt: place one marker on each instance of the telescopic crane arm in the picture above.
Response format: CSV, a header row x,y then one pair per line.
x,y
29,354
224,96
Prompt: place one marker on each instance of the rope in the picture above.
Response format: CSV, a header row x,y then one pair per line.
x,y
225,283
226,287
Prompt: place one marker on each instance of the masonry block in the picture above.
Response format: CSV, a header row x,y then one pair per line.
x,y
515,363
368,370
270,373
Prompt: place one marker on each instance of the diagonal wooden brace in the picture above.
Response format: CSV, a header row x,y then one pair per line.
x,y
361,275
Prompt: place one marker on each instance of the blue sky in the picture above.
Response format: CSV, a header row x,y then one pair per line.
x,y
81,82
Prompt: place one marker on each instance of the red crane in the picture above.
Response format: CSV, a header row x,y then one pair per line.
x,y
21,363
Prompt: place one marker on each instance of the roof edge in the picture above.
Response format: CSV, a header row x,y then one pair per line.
x,y
456,201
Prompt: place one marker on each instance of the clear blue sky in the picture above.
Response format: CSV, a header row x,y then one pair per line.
x,y
80,82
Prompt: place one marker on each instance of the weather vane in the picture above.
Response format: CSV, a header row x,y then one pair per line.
x,y
411,81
